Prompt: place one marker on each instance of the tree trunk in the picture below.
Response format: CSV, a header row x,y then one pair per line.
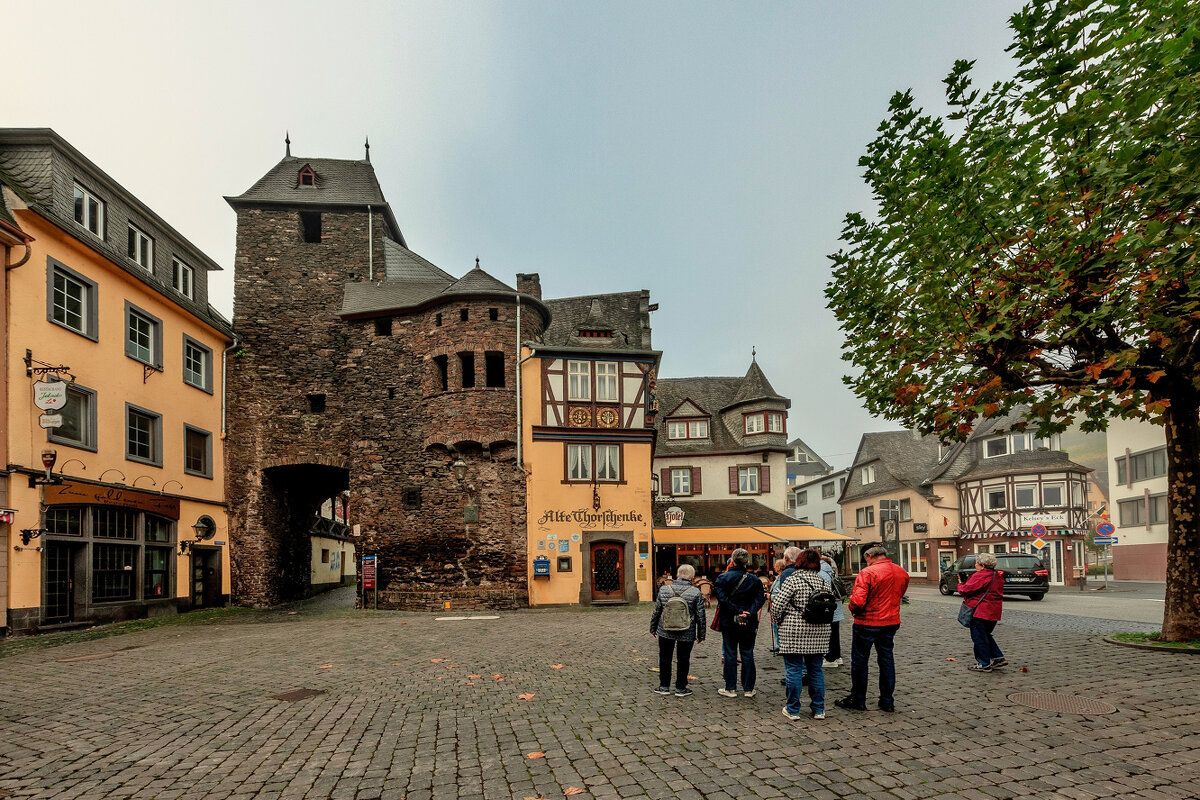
x,y
1181,616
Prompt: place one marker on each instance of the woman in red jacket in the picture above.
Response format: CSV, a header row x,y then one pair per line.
x,y
987,586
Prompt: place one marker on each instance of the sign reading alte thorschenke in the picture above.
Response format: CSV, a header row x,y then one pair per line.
x,y
586,518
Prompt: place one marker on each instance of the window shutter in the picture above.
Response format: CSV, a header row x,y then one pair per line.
x,y
664,482
695,480
733,481
764,479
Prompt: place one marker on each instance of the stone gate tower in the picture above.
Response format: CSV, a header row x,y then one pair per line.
x,y
365,368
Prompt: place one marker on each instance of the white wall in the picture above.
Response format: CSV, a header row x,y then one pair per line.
x,y
714,476
341,559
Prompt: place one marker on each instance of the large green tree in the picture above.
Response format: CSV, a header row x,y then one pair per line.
x,y
1037,247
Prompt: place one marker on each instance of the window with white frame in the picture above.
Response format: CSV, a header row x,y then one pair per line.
x,y
89,211
143,336
608,462
579,380
755,423
601,460
747,480
182,278
697,429
868,474
1026,495
826,490
71,299
774,422
912,557
141,248
681,481
905,510
579,462
197,364
997,446
606,382
864,516
996,499
676,430
1053,495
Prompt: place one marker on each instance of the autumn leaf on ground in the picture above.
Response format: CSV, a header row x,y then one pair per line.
x,y
497,677
641,658
527,696
470,683
556,666
325,666
1024,669
451,666
437,660
397,663
573,790
951,658
654,669
535,755
474,676
634,651
691,677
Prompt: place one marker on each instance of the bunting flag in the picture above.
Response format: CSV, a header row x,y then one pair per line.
x,y
1024,534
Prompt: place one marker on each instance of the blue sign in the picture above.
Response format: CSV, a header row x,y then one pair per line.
x,y
1105,529
1038,530
564,546
1105,540
541,566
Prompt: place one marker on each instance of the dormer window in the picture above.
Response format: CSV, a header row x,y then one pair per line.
x,y
307,176
764,422
687,429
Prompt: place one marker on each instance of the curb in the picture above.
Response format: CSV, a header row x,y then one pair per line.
x,y
1195,651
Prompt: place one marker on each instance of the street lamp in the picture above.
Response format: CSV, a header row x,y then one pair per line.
x,y
459,468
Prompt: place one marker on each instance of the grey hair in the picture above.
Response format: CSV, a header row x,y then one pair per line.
x,y
685,572
877,550
986,560
741,556
789,555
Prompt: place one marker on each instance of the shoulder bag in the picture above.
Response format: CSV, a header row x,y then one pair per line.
x,y
966,613
716,620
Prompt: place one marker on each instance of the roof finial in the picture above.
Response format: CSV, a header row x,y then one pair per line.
x,y
287,143
753,353
367,144
476,262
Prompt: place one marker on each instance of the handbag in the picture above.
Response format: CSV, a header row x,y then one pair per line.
x,y
966,613
716,620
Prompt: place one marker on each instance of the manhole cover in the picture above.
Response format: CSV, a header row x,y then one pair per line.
x,y
1062,703
298,694
88,657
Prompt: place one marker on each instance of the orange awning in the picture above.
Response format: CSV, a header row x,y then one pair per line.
x,y
748,534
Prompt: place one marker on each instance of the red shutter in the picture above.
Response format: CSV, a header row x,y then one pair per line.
x,y
664,485
695,480
764,479
733,481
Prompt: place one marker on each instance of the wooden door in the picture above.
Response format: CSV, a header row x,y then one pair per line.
x,y
608,571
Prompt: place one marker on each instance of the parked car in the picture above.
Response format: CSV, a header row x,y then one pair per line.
x,y
1023,574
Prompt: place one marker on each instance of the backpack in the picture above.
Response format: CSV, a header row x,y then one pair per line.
x,y
677,613
819,608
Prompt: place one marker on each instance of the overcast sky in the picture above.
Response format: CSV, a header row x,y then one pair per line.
x,y
704,151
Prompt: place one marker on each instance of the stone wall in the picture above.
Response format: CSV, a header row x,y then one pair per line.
x,y
388,432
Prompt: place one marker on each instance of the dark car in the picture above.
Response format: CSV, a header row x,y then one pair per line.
x,y
1023,574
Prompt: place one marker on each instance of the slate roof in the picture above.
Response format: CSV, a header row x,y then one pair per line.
x,y
902,461
338,183
724,513
625,314
755,386
1023,462
421,283
714,396
402,264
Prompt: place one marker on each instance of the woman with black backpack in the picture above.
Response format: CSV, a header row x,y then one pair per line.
x,y
803,611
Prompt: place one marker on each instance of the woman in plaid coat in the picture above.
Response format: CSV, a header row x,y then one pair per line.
x,y
803,644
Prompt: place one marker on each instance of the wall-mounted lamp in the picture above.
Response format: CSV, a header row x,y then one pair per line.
x,y
113,469
205,529
459,468
29,534
139,477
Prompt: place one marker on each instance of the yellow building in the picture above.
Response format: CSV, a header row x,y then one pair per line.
x,y
114,473
587,402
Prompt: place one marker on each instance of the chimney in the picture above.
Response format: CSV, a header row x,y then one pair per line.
x,y
529,283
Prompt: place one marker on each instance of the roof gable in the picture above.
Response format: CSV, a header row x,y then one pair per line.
x,y
688,409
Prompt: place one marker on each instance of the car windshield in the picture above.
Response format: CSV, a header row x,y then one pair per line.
x,y
1018,562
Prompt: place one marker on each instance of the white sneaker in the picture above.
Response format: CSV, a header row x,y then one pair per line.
x,y
837,662
750,693
789,714
819,716
726,693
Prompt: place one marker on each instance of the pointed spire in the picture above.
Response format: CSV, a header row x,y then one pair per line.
x,y
367,144
287,144
753,355
477,262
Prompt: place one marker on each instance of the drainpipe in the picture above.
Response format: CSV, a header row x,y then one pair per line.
x,y
224,370
370,245
519,361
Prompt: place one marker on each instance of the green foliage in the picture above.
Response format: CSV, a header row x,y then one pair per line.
x,y
1036,247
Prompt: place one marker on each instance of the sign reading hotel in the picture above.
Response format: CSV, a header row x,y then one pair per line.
x,y
673,516
1051,519
586,518
84,493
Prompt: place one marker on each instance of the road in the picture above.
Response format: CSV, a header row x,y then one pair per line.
x,y
1127,601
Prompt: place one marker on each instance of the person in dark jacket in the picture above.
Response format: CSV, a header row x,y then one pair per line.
x,y
679,642
987,587
741,595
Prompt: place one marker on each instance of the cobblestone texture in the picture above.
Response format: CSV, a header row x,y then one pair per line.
x,y
188,713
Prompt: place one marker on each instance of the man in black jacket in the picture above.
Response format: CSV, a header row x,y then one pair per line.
x,y
741,595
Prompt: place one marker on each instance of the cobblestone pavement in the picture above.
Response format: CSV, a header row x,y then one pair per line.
x,y
429,710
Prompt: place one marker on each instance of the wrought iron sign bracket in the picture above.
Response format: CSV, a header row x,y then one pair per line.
x,y
42,369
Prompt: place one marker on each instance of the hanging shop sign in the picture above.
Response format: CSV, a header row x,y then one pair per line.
x,y
69,493
920,527
673,516
49,395
51,420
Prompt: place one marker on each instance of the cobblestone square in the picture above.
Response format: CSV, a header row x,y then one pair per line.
x,y
418,708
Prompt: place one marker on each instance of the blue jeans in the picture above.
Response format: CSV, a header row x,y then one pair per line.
x,y
881,638
794,667
986,649
740,639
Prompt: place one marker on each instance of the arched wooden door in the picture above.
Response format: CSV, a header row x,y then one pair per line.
x,y
608,571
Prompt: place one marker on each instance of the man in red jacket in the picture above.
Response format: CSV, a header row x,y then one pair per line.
x,y
875,605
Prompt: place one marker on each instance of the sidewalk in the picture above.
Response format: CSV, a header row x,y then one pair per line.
x,y
419,709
